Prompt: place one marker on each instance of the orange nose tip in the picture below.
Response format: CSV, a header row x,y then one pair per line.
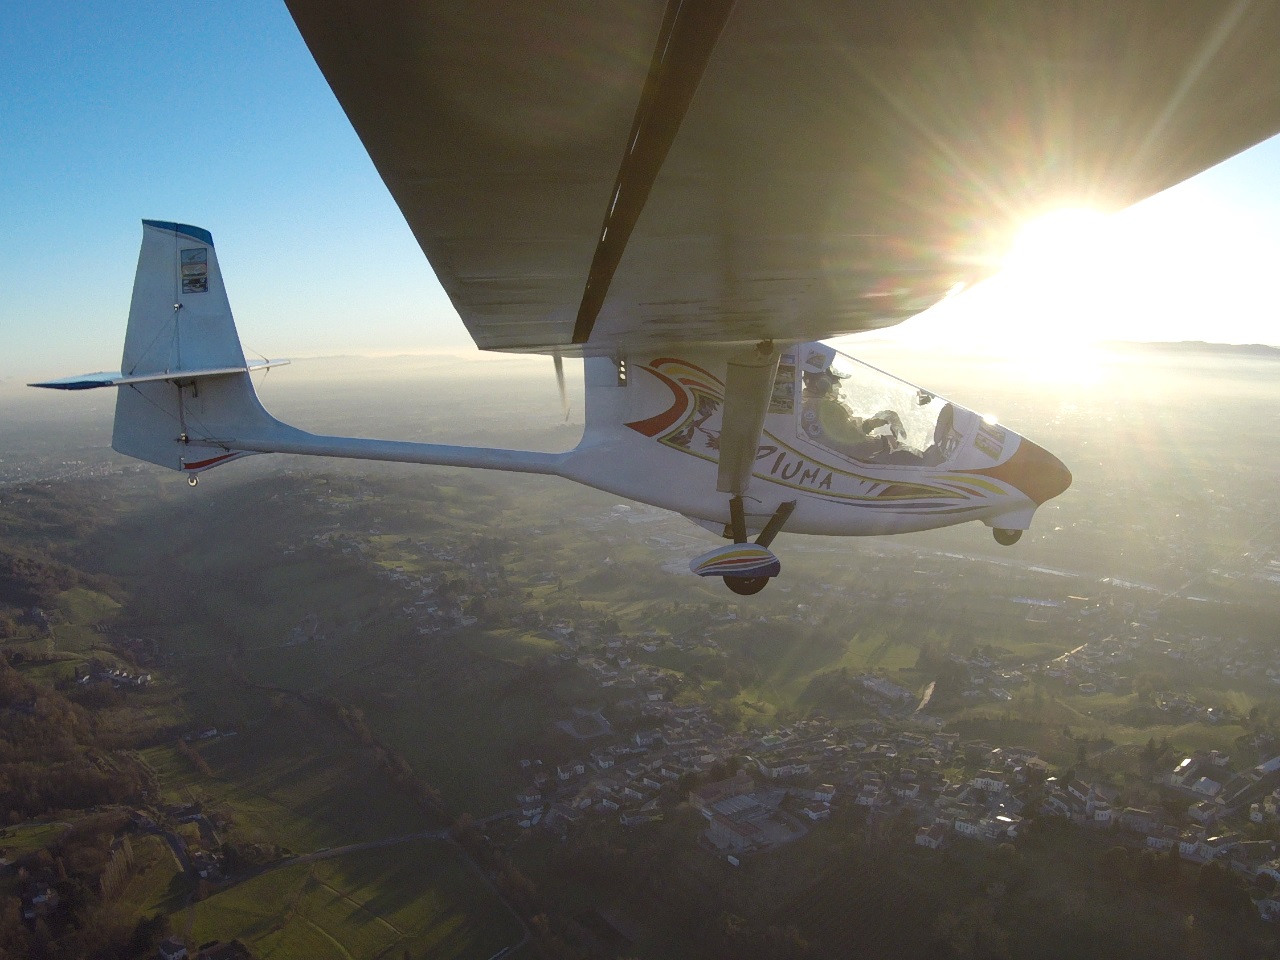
x,y
1034,470
1037,472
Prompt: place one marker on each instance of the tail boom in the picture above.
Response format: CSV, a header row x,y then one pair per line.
x,y
291,440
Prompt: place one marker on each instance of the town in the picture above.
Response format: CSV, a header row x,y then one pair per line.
x,y
629,752
511,698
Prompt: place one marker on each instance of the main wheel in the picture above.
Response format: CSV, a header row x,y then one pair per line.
x,y
745,586
1006,538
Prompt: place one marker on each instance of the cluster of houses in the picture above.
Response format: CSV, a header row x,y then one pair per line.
x,y
438,601
1106,664
627,776
1214,794
1101,665
619,671
788,779
97,672
1229,657
1260,565
791,778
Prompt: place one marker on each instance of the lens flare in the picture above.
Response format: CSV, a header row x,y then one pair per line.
x,y
1057,240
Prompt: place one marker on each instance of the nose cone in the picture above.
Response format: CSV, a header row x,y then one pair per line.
x,y
1035,471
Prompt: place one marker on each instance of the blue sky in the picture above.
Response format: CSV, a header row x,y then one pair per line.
x,y
215,114
212,114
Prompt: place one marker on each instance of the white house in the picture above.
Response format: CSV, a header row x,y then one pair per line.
x,y
933,836
990,781
817,811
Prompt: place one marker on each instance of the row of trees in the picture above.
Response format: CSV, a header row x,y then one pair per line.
x,y
1215,884
391,763
554,937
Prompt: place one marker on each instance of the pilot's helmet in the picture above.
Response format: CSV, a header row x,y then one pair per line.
x,y
823,383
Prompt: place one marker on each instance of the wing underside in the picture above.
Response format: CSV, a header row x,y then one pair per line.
x,y
598,177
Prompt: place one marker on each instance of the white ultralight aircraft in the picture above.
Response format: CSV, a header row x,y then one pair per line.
x,y
741,441
692,195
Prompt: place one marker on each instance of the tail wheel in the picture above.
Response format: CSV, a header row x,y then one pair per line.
x,y
745,586
1006,538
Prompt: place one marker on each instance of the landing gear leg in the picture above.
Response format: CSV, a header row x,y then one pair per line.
x,y
776,522
737,520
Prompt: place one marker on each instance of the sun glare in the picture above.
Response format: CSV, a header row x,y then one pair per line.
x,y
1049,293
1177,266
1057,240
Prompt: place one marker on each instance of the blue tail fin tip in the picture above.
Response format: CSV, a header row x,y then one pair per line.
x,y
183,229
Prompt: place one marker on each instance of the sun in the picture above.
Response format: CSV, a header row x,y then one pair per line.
x,y
1061,240
1046,308
1177,266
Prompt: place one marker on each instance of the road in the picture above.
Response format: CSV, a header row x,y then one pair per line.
x,y
330,852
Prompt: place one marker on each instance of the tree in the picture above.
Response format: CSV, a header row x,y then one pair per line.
x,y
972,932
1222,888
928,656
15,938
230,857
1115,864
1150,753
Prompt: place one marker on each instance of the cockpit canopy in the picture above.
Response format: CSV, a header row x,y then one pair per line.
x,y
863,414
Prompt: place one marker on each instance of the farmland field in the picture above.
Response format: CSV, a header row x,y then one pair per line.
x,y
418,898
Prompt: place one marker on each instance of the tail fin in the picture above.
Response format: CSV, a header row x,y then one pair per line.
x,y
183,374
185,398
180,317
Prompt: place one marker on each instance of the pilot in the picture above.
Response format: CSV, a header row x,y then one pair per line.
x,y
828,420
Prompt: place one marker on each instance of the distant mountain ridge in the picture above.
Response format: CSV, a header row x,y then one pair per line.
x,y
1258,350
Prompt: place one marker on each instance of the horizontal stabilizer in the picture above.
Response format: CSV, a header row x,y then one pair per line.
x,y
89,381
86,381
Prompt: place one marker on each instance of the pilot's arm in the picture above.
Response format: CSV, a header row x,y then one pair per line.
x,y
848,433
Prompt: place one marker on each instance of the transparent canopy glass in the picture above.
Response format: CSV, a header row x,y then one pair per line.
x,y
864,414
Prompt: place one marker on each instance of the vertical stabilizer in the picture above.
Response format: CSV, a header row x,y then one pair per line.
x,y
180,320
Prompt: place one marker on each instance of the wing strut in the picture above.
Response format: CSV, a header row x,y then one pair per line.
x,y
747,389
690,29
